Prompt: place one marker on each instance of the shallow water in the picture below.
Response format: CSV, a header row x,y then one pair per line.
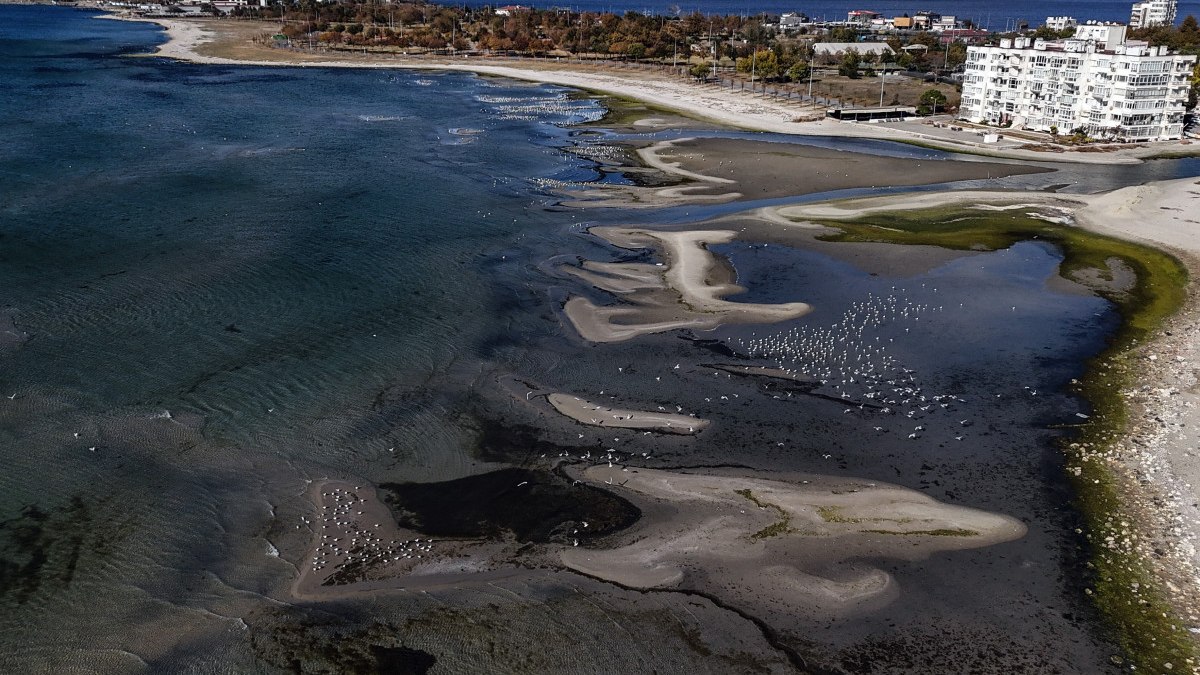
x,y
224,282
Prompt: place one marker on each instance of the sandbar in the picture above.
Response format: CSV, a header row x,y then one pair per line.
x,y
775,546
687,291
586,412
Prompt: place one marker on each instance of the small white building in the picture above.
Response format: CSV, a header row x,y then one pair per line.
x,y
1113,89
1151,13
943,23
1060,23
792,21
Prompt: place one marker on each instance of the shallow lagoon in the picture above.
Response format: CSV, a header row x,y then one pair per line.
x,y
219,283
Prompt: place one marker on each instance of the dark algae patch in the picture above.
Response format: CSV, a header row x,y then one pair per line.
x,y
1122,585
310,645
40,549
533,506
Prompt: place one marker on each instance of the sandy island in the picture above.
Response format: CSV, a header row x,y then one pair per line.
x,y
686,292
748,540
586,412
751,540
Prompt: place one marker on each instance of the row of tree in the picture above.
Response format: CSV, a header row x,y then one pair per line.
x,y
679,37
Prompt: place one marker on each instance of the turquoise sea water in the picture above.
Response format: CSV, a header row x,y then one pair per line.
x,y
219,283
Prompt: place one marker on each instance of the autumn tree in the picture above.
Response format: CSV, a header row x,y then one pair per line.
x,y
848,66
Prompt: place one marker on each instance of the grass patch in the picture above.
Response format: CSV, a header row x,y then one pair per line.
x,y
779,527
1124,587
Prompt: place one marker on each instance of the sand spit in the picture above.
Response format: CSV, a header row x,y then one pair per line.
x,y
687,292
586,412
761,371
727,169
774,548
1156,463
777,546
653,156
358,549
1046,203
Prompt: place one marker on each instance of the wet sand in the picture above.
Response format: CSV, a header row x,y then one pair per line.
x,y
717,170
747,540
586,412
753,541
687,291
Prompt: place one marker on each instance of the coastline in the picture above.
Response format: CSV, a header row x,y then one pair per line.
x,y
1135,463
1155,461
196,41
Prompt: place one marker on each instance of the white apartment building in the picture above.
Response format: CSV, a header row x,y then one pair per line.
x,y
1150,13
1113,89
1061,23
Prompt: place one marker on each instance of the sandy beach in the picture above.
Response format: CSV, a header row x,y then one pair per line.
x,y
229,42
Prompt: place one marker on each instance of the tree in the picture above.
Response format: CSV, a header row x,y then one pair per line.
x,y
1195,92
700,70
956,53
931,99
848,67
763,64
798,71
636,51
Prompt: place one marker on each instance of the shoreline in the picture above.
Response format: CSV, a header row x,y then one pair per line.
x,y
188,40
1136,460
1153,461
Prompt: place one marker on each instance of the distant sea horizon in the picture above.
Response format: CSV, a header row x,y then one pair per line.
x,y
989,15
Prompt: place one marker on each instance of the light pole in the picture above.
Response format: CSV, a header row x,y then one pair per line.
x,y
713,46
882,79
811,53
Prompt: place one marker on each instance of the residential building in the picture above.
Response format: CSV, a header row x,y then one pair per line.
x,y
792,21
925,20
861,17
1060,23
943,23
1112,88
1151,13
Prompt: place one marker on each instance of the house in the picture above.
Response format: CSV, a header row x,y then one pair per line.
x,y
861,17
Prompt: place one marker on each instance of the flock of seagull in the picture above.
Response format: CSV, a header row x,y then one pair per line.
x,y
853,359
345,543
